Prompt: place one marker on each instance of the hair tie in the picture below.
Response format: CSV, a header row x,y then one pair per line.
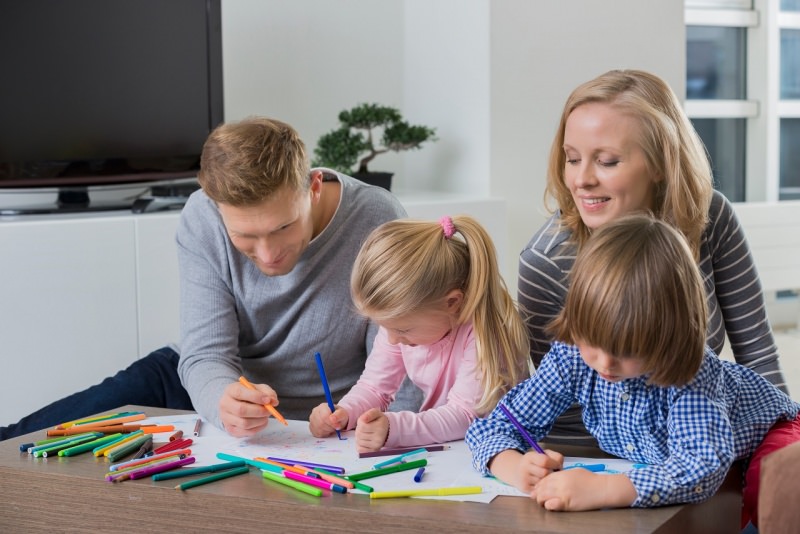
x,y
447,226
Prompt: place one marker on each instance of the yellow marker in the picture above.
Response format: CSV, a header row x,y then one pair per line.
x,y
464,490
269,407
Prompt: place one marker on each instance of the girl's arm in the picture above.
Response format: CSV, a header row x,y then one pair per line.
x,y
453,383
383,374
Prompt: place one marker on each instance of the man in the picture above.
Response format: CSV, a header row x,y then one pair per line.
x,y
265,250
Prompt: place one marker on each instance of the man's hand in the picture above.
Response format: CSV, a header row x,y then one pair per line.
x,y
242,410
322,423
372,429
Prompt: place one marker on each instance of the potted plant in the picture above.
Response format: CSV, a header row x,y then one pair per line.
x,y
357,141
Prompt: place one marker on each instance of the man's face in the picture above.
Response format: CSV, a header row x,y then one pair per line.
x,y
274,233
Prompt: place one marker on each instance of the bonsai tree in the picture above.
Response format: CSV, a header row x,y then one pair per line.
x,y
355,141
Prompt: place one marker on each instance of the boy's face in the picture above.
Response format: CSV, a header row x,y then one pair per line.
x,y
609,367
275,233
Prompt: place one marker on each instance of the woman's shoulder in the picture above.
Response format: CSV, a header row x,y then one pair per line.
x,y
552,236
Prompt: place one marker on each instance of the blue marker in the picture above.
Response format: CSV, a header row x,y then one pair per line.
x,y
418,475
406,457
594,468
327,389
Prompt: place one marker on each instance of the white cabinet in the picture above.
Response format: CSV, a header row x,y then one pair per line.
x,y
82,296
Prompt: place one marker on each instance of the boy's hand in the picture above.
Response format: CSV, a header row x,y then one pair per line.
x,y
242,411
322,423
576,490
372,429
524,471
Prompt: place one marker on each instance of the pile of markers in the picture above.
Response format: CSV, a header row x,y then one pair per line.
x,y
131,450
313,478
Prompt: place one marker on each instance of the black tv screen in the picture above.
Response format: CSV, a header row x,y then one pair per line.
x,y
98,92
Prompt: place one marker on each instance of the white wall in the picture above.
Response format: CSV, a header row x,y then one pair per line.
x,y
490,75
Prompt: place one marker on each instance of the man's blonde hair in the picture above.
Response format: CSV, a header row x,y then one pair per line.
x,y
408,265
636,292
244,163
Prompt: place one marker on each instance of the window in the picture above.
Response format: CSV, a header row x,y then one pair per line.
x,y
743,93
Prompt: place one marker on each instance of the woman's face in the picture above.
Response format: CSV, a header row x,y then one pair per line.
x,y
605,170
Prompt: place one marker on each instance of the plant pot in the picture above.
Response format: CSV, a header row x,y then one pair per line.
x,y
381,179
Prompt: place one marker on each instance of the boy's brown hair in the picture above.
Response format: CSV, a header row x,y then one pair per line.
x,y
635,291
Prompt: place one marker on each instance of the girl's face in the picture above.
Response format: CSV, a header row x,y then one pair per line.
x,y
609,367
605,170
427,326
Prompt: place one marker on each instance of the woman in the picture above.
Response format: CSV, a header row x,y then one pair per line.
x,y
624,144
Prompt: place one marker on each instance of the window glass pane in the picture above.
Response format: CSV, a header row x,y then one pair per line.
x,y
790,68
790,160
715,63
725,142
790,5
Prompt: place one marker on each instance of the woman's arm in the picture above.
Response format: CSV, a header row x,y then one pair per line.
x,y
731,275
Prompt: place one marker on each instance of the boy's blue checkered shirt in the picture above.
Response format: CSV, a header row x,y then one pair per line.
x,y
689,436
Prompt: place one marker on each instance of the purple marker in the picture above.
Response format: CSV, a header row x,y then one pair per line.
x,y
535,446
330,468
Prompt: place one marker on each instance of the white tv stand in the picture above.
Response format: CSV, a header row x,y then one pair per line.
x,y
84,295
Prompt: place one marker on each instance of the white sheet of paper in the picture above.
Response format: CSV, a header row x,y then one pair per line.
x,y
448,468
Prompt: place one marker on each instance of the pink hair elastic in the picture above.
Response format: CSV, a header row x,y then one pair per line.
x,y
447,226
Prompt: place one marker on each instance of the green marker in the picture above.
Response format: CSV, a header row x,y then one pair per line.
x,y
305,488
387,470
219,476
86,447
59,446
127,448
178,473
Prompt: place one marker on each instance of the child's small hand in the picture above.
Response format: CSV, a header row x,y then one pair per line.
x,y
525,471
372,430
576,490
534,467
322,423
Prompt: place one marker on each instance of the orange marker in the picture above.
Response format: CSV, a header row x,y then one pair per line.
x,y
246,383
285,467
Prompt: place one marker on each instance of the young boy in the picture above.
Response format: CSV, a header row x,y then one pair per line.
x,y
632,354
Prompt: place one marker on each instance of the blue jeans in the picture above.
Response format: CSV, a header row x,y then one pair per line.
x,y
149,381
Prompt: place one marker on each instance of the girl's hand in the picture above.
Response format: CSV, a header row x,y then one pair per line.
x,y
524,471
242,411
372,429
322,423
576,490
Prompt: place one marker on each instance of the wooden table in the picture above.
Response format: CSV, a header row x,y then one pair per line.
x,y
39,494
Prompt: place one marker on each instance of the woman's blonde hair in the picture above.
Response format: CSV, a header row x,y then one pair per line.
x,y
673,151
244,163
636,291
408,265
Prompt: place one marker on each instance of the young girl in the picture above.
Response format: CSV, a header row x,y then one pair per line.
x,y
446,320
633,356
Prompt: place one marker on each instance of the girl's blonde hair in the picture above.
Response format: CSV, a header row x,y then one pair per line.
x,y
673,150
636,291
408,265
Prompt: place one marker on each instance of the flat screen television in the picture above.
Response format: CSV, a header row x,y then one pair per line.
x,y
103,100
